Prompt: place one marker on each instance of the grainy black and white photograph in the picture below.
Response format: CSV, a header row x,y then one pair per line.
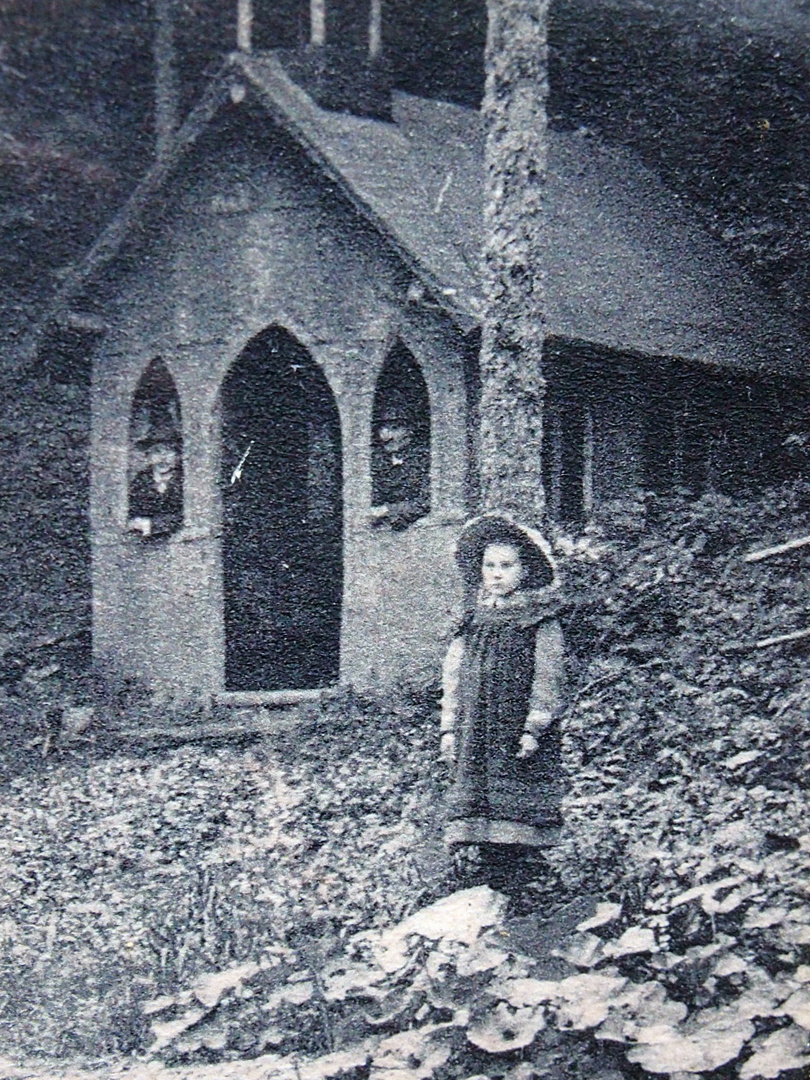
x,y
405,548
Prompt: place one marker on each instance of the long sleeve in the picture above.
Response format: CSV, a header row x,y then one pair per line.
x,y
451,671
548,686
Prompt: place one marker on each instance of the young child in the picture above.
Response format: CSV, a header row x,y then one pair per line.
x,y
503,685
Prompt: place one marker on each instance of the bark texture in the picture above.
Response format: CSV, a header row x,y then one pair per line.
x,y
511,352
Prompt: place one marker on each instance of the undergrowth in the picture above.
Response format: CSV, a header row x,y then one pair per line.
x,y
224,904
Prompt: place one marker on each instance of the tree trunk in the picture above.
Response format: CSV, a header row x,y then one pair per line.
x,y
512,380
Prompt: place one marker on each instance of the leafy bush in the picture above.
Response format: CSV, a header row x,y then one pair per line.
x,y
688,765
442,993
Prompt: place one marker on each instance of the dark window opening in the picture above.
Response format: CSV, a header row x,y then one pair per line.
x,y
614,423
282,506
568,436
565,460
709,429
400,459
155,456
280,24
572,459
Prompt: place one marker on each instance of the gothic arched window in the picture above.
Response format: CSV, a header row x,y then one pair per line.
x,y
155,456
400,459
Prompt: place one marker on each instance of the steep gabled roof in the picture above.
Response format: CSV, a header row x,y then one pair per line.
x,y
393,172
627,266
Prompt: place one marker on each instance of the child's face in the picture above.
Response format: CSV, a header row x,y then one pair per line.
x,y
501,569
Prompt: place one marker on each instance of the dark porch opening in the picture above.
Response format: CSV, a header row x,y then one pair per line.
x,y
282,547
616,422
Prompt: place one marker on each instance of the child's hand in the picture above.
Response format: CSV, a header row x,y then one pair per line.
x,y
528,746
447,747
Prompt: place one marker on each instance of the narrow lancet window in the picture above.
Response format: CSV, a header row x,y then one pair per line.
x,y
155,456
400,461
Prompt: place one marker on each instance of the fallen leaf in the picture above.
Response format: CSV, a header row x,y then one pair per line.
x,y
795,934
583,950
586,999
699,892
525,991
504,1027
461,916
605,912
210,987
713,1039
797,1007
729,965
340,979
637,939
777,1053
166,1032
410,1055
743,758
763,918
482,955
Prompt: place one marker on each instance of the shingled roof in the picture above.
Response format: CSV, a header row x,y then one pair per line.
x,y
626,264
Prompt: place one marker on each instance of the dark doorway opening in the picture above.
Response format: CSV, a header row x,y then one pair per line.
x,y
282,538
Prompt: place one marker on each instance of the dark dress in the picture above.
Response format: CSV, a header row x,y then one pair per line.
x,y
164,509
511,668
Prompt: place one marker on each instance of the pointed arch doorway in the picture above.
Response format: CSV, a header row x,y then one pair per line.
x,y
282,519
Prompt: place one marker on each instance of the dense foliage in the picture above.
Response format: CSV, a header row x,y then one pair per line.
x,y
127,877
688,766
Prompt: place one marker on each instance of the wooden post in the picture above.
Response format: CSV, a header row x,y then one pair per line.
x,y
513,386
244,25
317,22
587,464
375,28
167,91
